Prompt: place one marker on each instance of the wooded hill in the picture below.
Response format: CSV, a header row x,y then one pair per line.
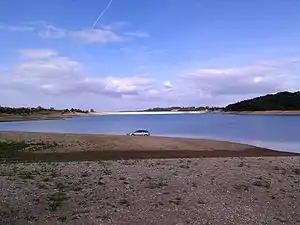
x,y
280,101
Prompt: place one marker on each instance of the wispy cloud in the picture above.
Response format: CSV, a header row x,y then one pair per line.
x,y
96,36
50,31
138,34
19,28
105,34
37,53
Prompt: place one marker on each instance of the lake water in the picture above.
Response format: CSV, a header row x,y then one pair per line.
x,y
279,132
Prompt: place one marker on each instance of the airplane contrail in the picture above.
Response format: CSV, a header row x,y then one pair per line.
x,y
96,21
101,14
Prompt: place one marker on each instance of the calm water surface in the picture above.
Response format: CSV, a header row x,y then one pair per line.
x,y
279,132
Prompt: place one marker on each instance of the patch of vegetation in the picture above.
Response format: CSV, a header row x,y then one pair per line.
x,y
10,148
55,200
5,211
241,187
53,173
176,201
201,202
62,218
241,164
262,183
276,168
124,202
77,188
156,183
296,171
60,185
26,175
85,174
107,171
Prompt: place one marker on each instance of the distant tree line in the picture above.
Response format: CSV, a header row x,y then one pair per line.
x,y
182,109
36,110
280,101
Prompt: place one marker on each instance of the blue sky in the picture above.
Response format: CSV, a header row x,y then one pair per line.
x,y
146,53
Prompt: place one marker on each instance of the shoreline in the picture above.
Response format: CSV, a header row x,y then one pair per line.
x,y
91,147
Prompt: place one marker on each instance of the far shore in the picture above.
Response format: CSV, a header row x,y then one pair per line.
x,y
50,116
268,112
58,116
147,113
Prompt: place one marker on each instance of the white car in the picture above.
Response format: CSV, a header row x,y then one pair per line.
x,y
139,133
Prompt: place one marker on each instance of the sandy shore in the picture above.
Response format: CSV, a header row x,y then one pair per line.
x,y
67,147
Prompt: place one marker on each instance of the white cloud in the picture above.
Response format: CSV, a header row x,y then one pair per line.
x,y
168,85
47,72
43,76
257,79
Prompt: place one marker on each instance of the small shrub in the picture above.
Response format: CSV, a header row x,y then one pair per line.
x,y
296,171
55,200
85,174
26,175
60,185
276,168
176,201
5,211
77,188
124,202
107,171
262,183
153,184
241,187
241,164
62,219
200,202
